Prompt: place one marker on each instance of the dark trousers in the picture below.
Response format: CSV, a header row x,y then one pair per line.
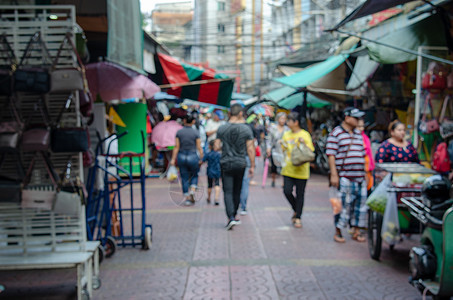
x,y
297,203
232,185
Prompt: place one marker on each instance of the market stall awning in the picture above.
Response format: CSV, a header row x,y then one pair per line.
x,y
427,32
364,68
313,73
369,7
279,94
296,99
190,82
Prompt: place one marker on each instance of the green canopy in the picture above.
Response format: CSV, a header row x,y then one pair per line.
x,y
309,75
296,99
428,32
279,94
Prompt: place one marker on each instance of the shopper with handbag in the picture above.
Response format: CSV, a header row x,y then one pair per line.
x,y
295,175
347,173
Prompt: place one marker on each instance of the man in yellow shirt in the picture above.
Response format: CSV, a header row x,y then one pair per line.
x,y
295,175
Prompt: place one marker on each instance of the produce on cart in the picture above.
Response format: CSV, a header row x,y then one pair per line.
x,y
399,180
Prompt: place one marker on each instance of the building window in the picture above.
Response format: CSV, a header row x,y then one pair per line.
x,y
220,28
220,49
221,6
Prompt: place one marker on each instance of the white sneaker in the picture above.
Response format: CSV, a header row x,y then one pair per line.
x,y
243,212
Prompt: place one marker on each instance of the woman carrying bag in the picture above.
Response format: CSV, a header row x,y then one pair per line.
x,y
295,175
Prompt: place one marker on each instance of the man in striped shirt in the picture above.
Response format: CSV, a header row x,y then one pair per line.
x,y
347,173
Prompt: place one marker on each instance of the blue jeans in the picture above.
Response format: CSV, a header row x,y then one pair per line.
x,y
245,189
188,167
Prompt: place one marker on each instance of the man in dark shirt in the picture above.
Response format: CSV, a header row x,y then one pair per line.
x,y
236,141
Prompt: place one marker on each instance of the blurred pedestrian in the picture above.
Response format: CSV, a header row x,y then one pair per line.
x,y
236,139
276,131
295,176
369,159
347,173
213,124
213,172
185,151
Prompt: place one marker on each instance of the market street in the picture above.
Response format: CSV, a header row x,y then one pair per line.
x,y
194,257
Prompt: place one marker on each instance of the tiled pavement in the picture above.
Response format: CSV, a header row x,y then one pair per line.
x,y
194,257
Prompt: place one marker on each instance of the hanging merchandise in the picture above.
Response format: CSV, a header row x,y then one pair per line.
x,y
435,77
66,79
10,131
428,126
6,76
441,160
68,139
34,77
446,125
37,137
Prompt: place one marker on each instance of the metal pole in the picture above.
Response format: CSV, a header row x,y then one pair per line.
x,y
399,48
417,97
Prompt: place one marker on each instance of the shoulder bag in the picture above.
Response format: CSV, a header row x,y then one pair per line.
x,y
66,79
435,77
6,74
428,126
10,131
69,139
35,77
446,125
301,154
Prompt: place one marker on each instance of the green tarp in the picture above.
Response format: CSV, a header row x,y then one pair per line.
x,y
427,32
279,94
311,74
296,99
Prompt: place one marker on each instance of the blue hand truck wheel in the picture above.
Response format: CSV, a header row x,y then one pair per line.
x,y
148,238
110,246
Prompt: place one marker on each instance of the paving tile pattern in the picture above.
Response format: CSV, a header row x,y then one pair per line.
x,y
194,257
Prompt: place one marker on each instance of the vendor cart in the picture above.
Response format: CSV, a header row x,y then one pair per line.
x,y
407,179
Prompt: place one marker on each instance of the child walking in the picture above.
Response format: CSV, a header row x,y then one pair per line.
x,y
213,172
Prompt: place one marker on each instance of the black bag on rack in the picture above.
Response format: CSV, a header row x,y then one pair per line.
x,y
73,139
34,78
10,190
69,139
6,77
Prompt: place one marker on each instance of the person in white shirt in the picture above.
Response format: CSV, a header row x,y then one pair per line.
x,y
213,124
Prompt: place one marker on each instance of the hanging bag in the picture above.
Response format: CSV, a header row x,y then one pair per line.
x,y
446,125
35,77
40,196
37,137
435,77
6,73
428,126
11,130
69,139
67,79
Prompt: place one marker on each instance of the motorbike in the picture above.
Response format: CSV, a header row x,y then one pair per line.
x,y
321,160
431,263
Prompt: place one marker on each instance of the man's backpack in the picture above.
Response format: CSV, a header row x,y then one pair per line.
x,y
441,160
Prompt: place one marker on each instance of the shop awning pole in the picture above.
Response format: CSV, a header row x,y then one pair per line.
x,y
190,83
432,57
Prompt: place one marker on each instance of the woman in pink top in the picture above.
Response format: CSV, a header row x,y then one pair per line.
x,y
369,160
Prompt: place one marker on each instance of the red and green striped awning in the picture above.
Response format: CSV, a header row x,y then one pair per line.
x,y
190,82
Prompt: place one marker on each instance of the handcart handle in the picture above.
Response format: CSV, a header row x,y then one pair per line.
x,y
118,136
